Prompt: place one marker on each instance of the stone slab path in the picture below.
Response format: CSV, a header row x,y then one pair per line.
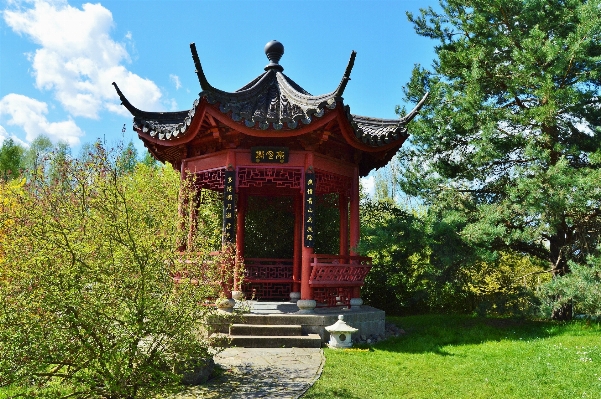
x,y
280,373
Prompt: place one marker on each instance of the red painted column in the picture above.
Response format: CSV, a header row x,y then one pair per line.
x,y
240,230
231,165
354,222
298,244
307,253
306,290
343,208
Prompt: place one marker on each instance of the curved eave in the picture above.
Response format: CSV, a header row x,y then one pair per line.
x,y
190,127
205,108
162,117
225,118
374,134
350,135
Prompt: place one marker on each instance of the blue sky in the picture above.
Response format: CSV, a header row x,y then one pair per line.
x,y
58,58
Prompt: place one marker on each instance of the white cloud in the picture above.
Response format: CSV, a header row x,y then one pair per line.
x,y
29,114
176,81
77,58
4,135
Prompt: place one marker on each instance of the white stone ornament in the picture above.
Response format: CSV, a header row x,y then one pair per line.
x,y
237,295
226,305
306,306
340,334
294,297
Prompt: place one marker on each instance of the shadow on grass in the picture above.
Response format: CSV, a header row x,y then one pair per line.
x,y
431,333
334,393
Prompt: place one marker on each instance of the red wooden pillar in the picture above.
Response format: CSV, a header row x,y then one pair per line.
x,y
231,166
240,231
354,222
298,244
307,253
343,208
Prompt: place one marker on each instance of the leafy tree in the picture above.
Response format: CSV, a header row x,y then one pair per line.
x,y
581,288
128,158
11,159
511,135
57,161
36,156
149,160
88,304
397,242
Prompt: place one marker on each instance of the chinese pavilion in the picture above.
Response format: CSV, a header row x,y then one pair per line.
x,y
273,138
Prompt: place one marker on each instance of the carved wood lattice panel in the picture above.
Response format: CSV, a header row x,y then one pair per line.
x,y
332,296
328,183
257,177
261,271
210,179
267,290
338,274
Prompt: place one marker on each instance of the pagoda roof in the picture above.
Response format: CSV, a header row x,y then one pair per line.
x,y
272,103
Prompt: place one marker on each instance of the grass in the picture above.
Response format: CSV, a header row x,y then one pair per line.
x,y
466,357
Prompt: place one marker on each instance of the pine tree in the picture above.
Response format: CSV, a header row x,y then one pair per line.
x,y
511,136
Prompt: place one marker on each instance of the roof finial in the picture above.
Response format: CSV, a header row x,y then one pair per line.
x,y
274,51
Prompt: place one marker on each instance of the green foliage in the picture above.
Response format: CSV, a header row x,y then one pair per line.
x,y
149,160
87,298
511,135
37,153
269,227
580,289
128,158
208,223
327,224
421,264
11,159
396,241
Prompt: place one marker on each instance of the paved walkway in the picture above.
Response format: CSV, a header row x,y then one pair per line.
x,y
250,373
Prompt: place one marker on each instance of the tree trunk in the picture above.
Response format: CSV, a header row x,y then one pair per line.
x,y
561,268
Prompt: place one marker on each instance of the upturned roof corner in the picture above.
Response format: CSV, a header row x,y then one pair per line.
x,y
276,105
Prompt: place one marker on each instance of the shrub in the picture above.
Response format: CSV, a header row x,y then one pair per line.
x,y
87,298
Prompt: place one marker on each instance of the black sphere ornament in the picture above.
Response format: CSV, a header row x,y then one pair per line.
x,y
274,51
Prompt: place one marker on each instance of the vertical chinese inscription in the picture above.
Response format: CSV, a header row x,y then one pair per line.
x,y
229,190
309,198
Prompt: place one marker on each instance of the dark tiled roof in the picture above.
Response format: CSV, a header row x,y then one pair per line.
x,y
376,132
271,101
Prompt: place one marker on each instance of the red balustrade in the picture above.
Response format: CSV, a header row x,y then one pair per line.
x,y
338,270
267,278
334,277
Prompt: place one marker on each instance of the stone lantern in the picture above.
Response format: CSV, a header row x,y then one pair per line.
x,y
340,334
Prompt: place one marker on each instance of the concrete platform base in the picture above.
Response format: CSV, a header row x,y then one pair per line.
x,y
282,318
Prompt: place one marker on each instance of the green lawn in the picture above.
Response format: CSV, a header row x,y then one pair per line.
x,y
465,357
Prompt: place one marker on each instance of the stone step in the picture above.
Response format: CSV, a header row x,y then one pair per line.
x,y
254,341
266,330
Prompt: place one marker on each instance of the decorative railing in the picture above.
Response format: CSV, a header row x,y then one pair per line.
x,y
268,270
333,278
267,278
338,270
